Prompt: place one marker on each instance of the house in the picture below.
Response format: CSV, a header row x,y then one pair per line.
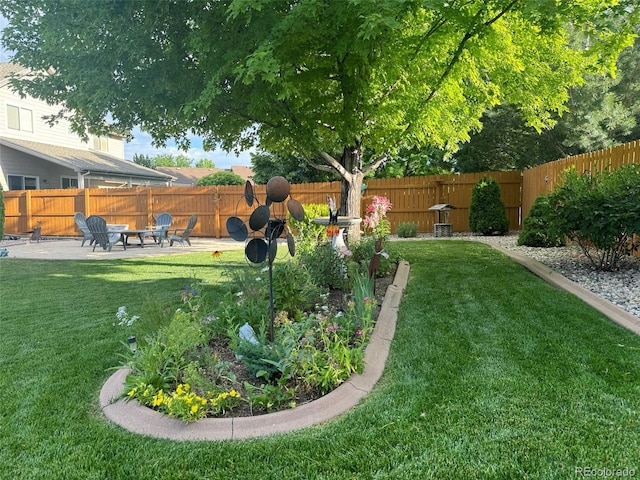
x,y
189,176
34,155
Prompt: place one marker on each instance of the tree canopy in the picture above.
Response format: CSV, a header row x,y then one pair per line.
x,y
326,81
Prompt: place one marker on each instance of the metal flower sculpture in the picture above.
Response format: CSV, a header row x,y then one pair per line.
x,y
266,227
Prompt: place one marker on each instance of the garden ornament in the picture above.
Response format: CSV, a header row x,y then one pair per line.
x,y
267,223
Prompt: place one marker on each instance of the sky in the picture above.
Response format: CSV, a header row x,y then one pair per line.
x,y
142,145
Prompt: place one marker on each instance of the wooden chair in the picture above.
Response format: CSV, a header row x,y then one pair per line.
x,y
101,235
81,223
181,235
161,228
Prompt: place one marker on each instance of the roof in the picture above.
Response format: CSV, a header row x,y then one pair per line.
x,y
191,175
83,160
7,68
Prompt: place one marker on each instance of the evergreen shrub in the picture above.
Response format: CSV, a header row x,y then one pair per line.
x,y
487,213
537,228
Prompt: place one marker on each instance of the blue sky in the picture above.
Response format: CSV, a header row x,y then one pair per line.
x,y
141,143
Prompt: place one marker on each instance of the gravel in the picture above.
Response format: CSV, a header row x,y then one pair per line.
x,y
621,287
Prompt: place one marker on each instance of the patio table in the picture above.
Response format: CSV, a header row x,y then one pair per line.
x,y
125,234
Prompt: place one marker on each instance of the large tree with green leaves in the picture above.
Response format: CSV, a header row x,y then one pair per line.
x,y
323,80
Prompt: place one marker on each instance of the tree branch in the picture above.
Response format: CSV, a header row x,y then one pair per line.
x,y
332,162
375,164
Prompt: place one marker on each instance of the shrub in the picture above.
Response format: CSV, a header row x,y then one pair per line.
x,y
407,230
306,231
221,178
294,289
537,228
601,212
487,213
326,266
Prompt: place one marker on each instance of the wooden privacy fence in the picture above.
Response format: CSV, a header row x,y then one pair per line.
x,y
544,178
411,198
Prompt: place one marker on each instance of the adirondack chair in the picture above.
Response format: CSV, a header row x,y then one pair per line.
x,y
81,223
181,235
101,235
161,228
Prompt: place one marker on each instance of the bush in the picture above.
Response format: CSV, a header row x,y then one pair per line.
x,y
306,231
487,213
537,228
294,289
407,230
326,266
601,212
221,178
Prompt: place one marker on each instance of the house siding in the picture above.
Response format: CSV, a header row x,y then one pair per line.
x,y
43,164
14,162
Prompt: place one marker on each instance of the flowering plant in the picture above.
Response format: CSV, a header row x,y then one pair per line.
x,y
375,221
124,320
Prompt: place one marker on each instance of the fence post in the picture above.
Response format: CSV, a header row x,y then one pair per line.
x,y
28,209
149,207
87,202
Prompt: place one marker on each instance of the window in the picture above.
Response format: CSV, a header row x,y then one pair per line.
x,y
19,118
20,182
101,143
69,182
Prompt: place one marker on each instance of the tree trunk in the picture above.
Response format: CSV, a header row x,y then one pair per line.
x,y
351,195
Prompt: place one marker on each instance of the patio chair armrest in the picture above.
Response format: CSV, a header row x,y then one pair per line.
x,y
175,232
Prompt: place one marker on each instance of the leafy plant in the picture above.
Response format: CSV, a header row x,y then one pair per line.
x,y
325,265
307,232
294,288
537,228
270,397
221,178
407,230
487,213
600,211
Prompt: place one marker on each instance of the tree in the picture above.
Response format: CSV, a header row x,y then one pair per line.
x,y
144,160
267,165
221,178
378,75
205,163
168,160
416,161
602,112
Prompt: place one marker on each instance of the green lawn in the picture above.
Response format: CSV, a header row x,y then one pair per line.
x,y
492,374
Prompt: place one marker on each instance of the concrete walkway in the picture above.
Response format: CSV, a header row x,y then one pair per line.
x,y
70,249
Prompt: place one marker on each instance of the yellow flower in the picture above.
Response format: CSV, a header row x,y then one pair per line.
x,y
217,253
233,393
194,408
179,390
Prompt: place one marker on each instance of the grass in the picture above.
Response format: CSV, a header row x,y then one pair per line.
x,y
492,374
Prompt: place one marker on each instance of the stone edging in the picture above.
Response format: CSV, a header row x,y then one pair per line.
x,y
139,419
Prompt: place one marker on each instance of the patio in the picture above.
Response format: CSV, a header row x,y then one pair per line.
x,y
70,249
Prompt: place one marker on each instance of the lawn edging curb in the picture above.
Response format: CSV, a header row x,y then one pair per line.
x,y
145,421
